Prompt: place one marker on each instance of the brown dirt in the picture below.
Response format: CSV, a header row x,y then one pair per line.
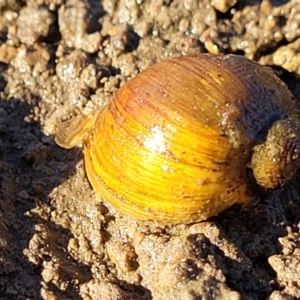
x,y
59,58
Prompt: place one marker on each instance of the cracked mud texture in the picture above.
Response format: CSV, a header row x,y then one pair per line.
x,y
61,58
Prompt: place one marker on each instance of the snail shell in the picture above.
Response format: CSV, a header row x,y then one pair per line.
x,y
189,137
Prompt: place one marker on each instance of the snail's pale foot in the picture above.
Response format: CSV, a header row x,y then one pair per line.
x,y
275,161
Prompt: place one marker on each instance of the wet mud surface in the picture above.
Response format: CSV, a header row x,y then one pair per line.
x,y
61,58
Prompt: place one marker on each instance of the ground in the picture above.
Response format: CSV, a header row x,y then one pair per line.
x,y
61,58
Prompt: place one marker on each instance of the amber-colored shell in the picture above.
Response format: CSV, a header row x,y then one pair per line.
x,y
175,143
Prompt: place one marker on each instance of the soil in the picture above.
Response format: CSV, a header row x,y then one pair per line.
x,y
62,58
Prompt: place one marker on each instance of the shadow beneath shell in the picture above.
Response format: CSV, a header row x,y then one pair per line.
x,y
249,239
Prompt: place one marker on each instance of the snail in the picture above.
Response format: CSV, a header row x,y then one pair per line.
x,y
189,137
